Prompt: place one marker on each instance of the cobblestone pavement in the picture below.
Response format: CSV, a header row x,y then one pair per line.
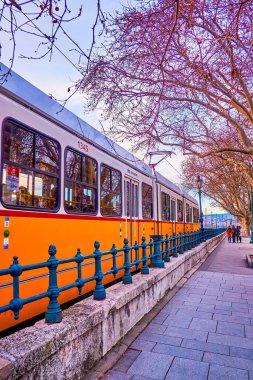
x,y
204,332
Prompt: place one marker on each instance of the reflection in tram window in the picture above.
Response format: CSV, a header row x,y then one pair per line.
x,y
188,213
111,193
147,201
195,215
173,210
165,206
180,215
80,183
30,170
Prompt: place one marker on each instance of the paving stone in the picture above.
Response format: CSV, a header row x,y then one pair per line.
x,y
125,362
178,351
210,298
231,299
142,345
218,372
155,328
223,303
157,338
214,292
205,346
241,353
197,291
138,377
116,375
232,318
245,313
206,307
239,306
186,333
203,325
151,364
192,303
228,361
230,328
232,294
187,369
249,331
160,318
178,321
194,314
230,340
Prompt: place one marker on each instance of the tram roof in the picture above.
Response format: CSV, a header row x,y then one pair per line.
x,y
166,182
25,92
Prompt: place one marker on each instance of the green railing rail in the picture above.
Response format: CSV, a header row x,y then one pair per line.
x,y
160,250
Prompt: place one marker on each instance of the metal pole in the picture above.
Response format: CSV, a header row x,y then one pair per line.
x,y
251,240
200,212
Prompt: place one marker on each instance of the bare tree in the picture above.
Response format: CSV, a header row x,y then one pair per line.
x,y
223,184
178,74
46,21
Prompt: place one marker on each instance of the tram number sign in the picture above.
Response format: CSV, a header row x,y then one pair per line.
x,y
83,146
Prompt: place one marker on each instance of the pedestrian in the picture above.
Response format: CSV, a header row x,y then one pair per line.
x,y
238,234
229,233
233,230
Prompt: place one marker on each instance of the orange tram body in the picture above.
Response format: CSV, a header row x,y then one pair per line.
x,y
65,183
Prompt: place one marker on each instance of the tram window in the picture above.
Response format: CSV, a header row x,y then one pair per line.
x,y
30,170
136,197
190,214
80,183
180,216
187,213
173,210
195,215
165,206
127,197
111,193
147,201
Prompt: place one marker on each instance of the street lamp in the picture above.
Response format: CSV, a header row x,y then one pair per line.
x,y
199,183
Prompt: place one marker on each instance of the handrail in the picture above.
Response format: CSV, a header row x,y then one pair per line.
x,y
160,251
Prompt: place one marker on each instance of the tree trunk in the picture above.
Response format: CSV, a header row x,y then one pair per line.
x,y
246,226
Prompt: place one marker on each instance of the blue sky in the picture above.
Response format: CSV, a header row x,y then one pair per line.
x,y
55,76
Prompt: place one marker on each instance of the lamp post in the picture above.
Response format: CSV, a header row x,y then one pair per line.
x,y
251,201
199,183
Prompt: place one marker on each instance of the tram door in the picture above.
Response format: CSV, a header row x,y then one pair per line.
x,y
131,209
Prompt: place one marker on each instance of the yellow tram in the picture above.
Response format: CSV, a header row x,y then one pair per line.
x,y
65,183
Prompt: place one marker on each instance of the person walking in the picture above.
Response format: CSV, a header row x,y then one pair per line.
x,y
229,233
233,230
238,234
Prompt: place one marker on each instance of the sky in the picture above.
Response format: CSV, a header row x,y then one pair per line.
x,y
55,76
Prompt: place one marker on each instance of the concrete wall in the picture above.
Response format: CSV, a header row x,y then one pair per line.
x,y
91,328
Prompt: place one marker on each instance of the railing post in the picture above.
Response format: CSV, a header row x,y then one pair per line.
x,y
114,266
127,279
144,268
181,249
16,302
53,313
136,250
175,254
157,261
99,291
167,255
79,259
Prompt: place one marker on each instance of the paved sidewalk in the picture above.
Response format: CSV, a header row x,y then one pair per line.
x,y
205,331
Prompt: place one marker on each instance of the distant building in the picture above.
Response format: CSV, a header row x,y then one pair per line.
x,y
219,220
